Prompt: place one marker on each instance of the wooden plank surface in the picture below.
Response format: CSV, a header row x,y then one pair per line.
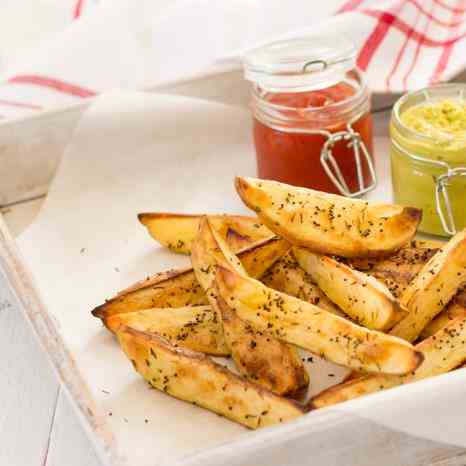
x,y
38,425
28,388
68,443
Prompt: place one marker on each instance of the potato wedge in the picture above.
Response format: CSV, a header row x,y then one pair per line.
x,y
451,312
179,288
288,277
442,352
366,300
177,231
315,329
258,355
438,281
194,327
398,270
194,378
327,223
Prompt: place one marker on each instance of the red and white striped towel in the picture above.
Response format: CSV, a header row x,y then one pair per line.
x,y
403,44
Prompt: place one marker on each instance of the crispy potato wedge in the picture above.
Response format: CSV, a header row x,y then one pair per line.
x,y
194,327
327,223
288,277
177,231
258,355
194,378
442,352
438,281
451,312
366,300
179,288
398,270
315,329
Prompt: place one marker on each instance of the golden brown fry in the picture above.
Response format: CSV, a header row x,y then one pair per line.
x,y
315,329
258,356
399,269
438,281
451,312
194,378
177,231
180,288
288,277
194,327
329,224
362,297
442,352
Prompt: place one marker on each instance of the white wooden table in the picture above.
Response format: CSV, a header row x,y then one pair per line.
x,y
38,426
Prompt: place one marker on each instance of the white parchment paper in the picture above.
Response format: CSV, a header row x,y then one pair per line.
x,y
139,152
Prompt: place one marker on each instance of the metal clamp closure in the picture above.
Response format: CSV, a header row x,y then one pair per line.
x,y
441,192
332,169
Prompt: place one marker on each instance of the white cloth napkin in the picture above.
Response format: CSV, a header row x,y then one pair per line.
x,y
403,44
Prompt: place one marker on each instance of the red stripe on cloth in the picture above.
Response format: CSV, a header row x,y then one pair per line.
x,y
407,29
418,46
429,14
350,5
51,83
14,103
446,53
401,51
373,41
78,7
453,9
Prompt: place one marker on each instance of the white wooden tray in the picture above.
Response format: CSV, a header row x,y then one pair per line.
x,y
327,437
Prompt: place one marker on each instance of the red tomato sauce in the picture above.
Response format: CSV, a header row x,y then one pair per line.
x,y
294,157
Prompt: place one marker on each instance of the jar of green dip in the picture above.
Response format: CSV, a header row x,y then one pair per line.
x,y
428,156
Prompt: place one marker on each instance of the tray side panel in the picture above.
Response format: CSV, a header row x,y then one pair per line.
x,y
30,302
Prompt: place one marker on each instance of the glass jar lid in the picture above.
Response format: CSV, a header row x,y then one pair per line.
x,y
302,64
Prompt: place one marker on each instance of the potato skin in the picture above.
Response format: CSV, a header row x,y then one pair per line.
x,y
327,223
399,269
194,378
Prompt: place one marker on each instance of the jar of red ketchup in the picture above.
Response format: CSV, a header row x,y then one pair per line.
x,y
311,109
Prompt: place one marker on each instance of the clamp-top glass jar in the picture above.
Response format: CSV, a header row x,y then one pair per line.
x,y
312,121
428,156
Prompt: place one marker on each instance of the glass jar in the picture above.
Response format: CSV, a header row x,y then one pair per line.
x,y
428,161
311,115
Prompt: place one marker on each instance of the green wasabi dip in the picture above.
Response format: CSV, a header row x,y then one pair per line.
x,y
434,129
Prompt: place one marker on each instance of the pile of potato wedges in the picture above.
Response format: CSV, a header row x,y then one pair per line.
x,y
341,278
